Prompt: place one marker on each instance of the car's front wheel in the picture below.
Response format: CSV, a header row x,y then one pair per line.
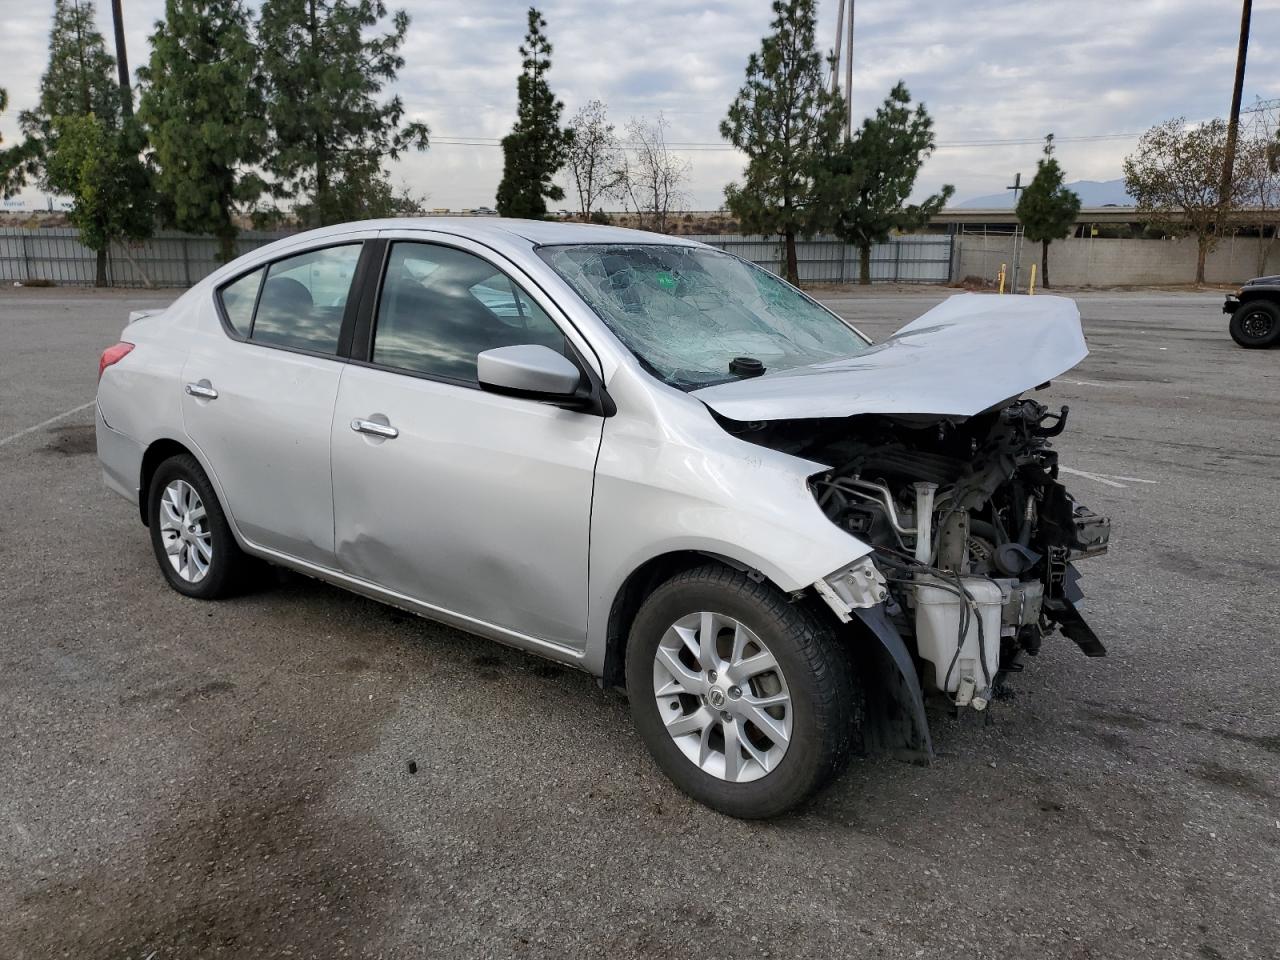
x,y
746,700
1256,324
192,540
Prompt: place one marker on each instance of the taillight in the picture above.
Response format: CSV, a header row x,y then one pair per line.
x,y
113,354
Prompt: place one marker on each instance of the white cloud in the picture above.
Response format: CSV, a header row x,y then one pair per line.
x,y
992,69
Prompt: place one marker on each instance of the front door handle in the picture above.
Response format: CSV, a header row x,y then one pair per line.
x,y
375,429
202,389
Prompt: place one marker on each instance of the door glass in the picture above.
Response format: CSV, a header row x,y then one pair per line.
x,y
238,299
440,307
303,299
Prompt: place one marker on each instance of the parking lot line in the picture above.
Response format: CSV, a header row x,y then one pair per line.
x,y
1090,476
44,423
1110,481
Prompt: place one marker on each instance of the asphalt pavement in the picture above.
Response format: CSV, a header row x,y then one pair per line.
x,y
302,773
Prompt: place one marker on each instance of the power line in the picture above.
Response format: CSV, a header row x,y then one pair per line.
x,y
696,145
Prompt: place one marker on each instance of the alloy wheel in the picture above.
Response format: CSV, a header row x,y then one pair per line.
x,y
722,697
1257,324
184,530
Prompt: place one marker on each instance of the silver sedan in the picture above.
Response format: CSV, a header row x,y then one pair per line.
x,y
629,453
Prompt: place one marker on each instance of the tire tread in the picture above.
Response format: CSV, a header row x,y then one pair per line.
x,y
837,707
226,575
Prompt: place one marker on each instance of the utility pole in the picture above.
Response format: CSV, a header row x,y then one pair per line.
x,y
835,63
844,54
122,61
1233,125
848,79
1017,230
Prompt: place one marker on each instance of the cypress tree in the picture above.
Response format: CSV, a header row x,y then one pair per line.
x,y
536,148
1047,209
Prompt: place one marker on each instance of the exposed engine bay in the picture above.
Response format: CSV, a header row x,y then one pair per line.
x,y
975,538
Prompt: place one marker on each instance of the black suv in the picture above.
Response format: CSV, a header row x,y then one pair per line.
x,y
1255,313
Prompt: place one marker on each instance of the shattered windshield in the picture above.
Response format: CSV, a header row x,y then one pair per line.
x,y
688,312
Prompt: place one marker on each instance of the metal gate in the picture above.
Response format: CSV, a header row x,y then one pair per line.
x,y
173,259
924,258
168,259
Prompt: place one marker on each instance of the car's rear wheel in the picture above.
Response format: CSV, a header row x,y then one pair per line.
x,y
747,701
1256,324
193,543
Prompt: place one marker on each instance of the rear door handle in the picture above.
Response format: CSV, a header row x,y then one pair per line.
x,y
375,429
203,389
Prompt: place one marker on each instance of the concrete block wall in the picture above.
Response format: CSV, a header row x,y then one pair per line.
x,y
1084,262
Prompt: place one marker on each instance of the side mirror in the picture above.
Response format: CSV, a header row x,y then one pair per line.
x,y
528,369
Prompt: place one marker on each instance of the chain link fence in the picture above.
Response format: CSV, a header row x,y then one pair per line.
x,y
173,259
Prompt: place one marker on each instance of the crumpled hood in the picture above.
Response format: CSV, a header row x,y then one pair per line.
x,y
958,359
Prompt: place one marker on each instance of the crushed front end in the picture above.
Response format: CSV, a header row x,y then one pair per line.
x,y
975,538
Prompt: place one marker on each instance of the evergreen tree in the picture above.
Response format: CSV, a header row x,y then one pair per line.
x,y
203,110
80,77
12,159
536,148
367,194
1047,209
77,82
787,121
100,170
328,133
875,172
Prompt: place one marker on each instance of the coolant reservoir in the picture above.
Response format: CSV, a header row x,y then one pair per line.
x,y
938,613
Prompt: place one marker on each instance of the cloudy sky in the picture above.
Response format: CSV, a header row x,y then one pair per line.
x,y
1095,72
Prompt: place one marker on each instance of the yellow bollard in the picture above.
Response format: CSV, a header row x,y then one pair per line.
x,y
1031,290
1002,269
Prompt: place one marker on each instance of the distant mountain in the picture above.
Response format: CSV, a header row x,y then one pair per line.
x,y
1093,193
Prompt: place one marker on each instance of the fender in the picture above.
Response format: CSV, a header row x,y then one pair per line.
x,y
895,721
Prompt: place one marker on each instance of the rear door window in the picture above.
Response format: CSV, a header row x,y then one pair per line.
x,y
303,299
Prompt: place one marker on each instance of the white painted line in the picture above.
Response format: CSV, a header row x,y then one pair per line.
x,y
44,423
1085,383
1110,481
1090,476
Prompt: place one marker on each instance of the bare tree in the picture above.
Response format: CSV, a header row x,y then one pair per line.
x,y
649,175
1257,179
593,159
1258,172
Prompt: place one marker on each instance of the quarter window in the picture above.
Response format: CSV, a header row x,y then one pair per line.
x,y
303,299
441,307
238,299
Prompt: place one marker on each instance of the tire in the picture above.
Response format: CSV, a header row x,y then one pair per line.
x,y
224,563
814,670
1256,324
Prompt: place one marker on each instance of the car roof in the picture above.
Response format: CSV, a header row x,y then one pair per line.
x,y
503,229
